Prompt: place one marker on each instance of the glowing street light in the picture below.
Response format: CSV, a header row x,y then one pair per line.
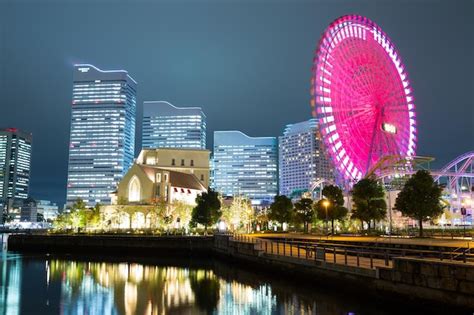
x,y
326,205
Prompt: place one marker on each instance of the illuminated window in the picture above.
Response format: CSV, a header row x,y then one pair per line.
x,y
150,160
134,190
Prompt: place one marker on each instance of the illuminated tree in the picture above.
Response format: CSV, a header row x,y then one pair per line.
x,y
240,212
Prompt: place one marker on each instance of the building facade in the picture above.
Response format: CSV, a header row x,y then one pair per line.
x,y
191,161
15,164
302,161
245,166
168,126
144,184
49,210
102,139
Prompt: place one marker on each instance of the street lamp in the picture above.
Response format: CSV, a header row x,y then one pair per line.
x,y
326,204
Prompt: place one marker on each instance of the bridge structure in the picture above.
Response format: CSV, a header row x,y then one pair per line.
x,y
457,178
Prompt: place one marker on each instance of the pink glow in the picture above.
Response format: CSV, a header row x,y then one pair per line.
x,y
361,96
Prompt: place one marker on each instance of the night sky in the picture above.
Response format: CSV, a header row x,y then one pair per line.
x,y
246,63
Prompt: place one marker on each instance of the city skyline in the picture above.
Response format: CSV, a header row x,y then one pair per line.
x,y
249,93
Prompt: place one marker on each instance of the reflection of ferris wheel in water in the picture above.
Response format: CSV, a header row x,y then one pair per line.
x,y
362,97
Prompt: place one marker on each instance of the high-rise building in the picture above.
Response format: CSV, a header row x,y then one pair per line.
x,y
102,141
168,126
245,166
15,160
302,161
48,209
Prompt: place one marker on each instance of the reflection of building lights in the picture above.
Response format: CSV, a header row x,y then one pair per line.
x,y
130,295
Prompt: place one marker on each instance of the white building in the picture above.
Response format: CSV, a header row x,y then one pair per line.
x,y
302,161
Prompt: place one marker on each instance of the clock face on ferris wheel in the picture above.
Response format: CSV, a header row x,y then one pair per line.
x,y
362,97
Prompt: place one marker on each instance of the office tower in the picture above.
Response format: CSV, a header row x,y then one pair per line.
x,y
302,161
49,210
245,166
168,126
15,160
29,211
101,147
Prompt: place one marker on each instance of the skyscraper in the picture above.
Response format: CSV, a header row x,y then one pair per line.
x,y
246,166
168,126
102,141
15,160
302,161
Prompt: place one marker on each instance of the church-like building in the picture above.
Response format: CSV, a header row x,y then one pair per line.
x,y
163,177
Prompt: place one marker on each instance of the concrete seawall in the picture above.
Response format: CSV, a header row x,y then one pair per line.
x,y
442,282
112,244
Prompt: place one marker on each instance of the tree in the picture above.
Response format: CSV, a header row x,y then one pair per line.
x,y
334,212
335,208
238,213
208,209
183,213
304,211
280,209
368,198
420,198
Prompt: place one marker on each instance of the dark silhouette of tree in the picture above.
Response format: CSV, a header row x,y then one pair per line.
x,y
420,198
281,209
369,204
208,209
304,212
335,208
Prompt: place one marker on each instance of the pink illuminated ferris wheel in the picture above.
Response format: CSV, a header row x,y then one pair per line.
x,y
361,97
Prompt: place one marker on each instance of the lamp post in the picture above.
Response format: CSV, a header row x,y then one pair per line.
x,y
326,204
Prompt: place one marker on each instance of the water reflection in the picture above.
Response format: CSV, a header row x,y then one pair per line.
x,y
49,285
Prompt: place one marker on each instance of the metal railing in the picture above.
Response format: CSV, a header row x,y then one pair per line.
x,y
349,254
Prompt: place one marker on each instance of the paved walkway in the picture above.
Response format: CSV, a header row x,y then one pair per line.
x,y
456,243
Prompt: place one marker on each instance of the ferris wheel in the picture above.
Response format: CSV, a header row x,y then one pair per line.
x,y
362,97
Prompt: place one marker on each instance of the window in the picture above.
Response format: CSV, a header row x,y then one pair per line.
x,y
173,162
166,177
158,177
192,162
134,190
150,160
202,177
182,162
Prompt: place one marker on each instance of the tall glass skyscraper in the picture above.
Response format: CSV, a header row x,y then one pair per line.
x,y
168,126
102,141
15,161
246,166
302,161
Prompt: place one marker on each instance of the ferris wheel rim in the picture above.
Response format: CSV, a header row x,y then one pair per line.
x,y
343,157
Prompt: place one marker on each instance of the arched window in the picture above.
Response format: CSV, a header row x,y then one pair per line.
x,y
134,190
